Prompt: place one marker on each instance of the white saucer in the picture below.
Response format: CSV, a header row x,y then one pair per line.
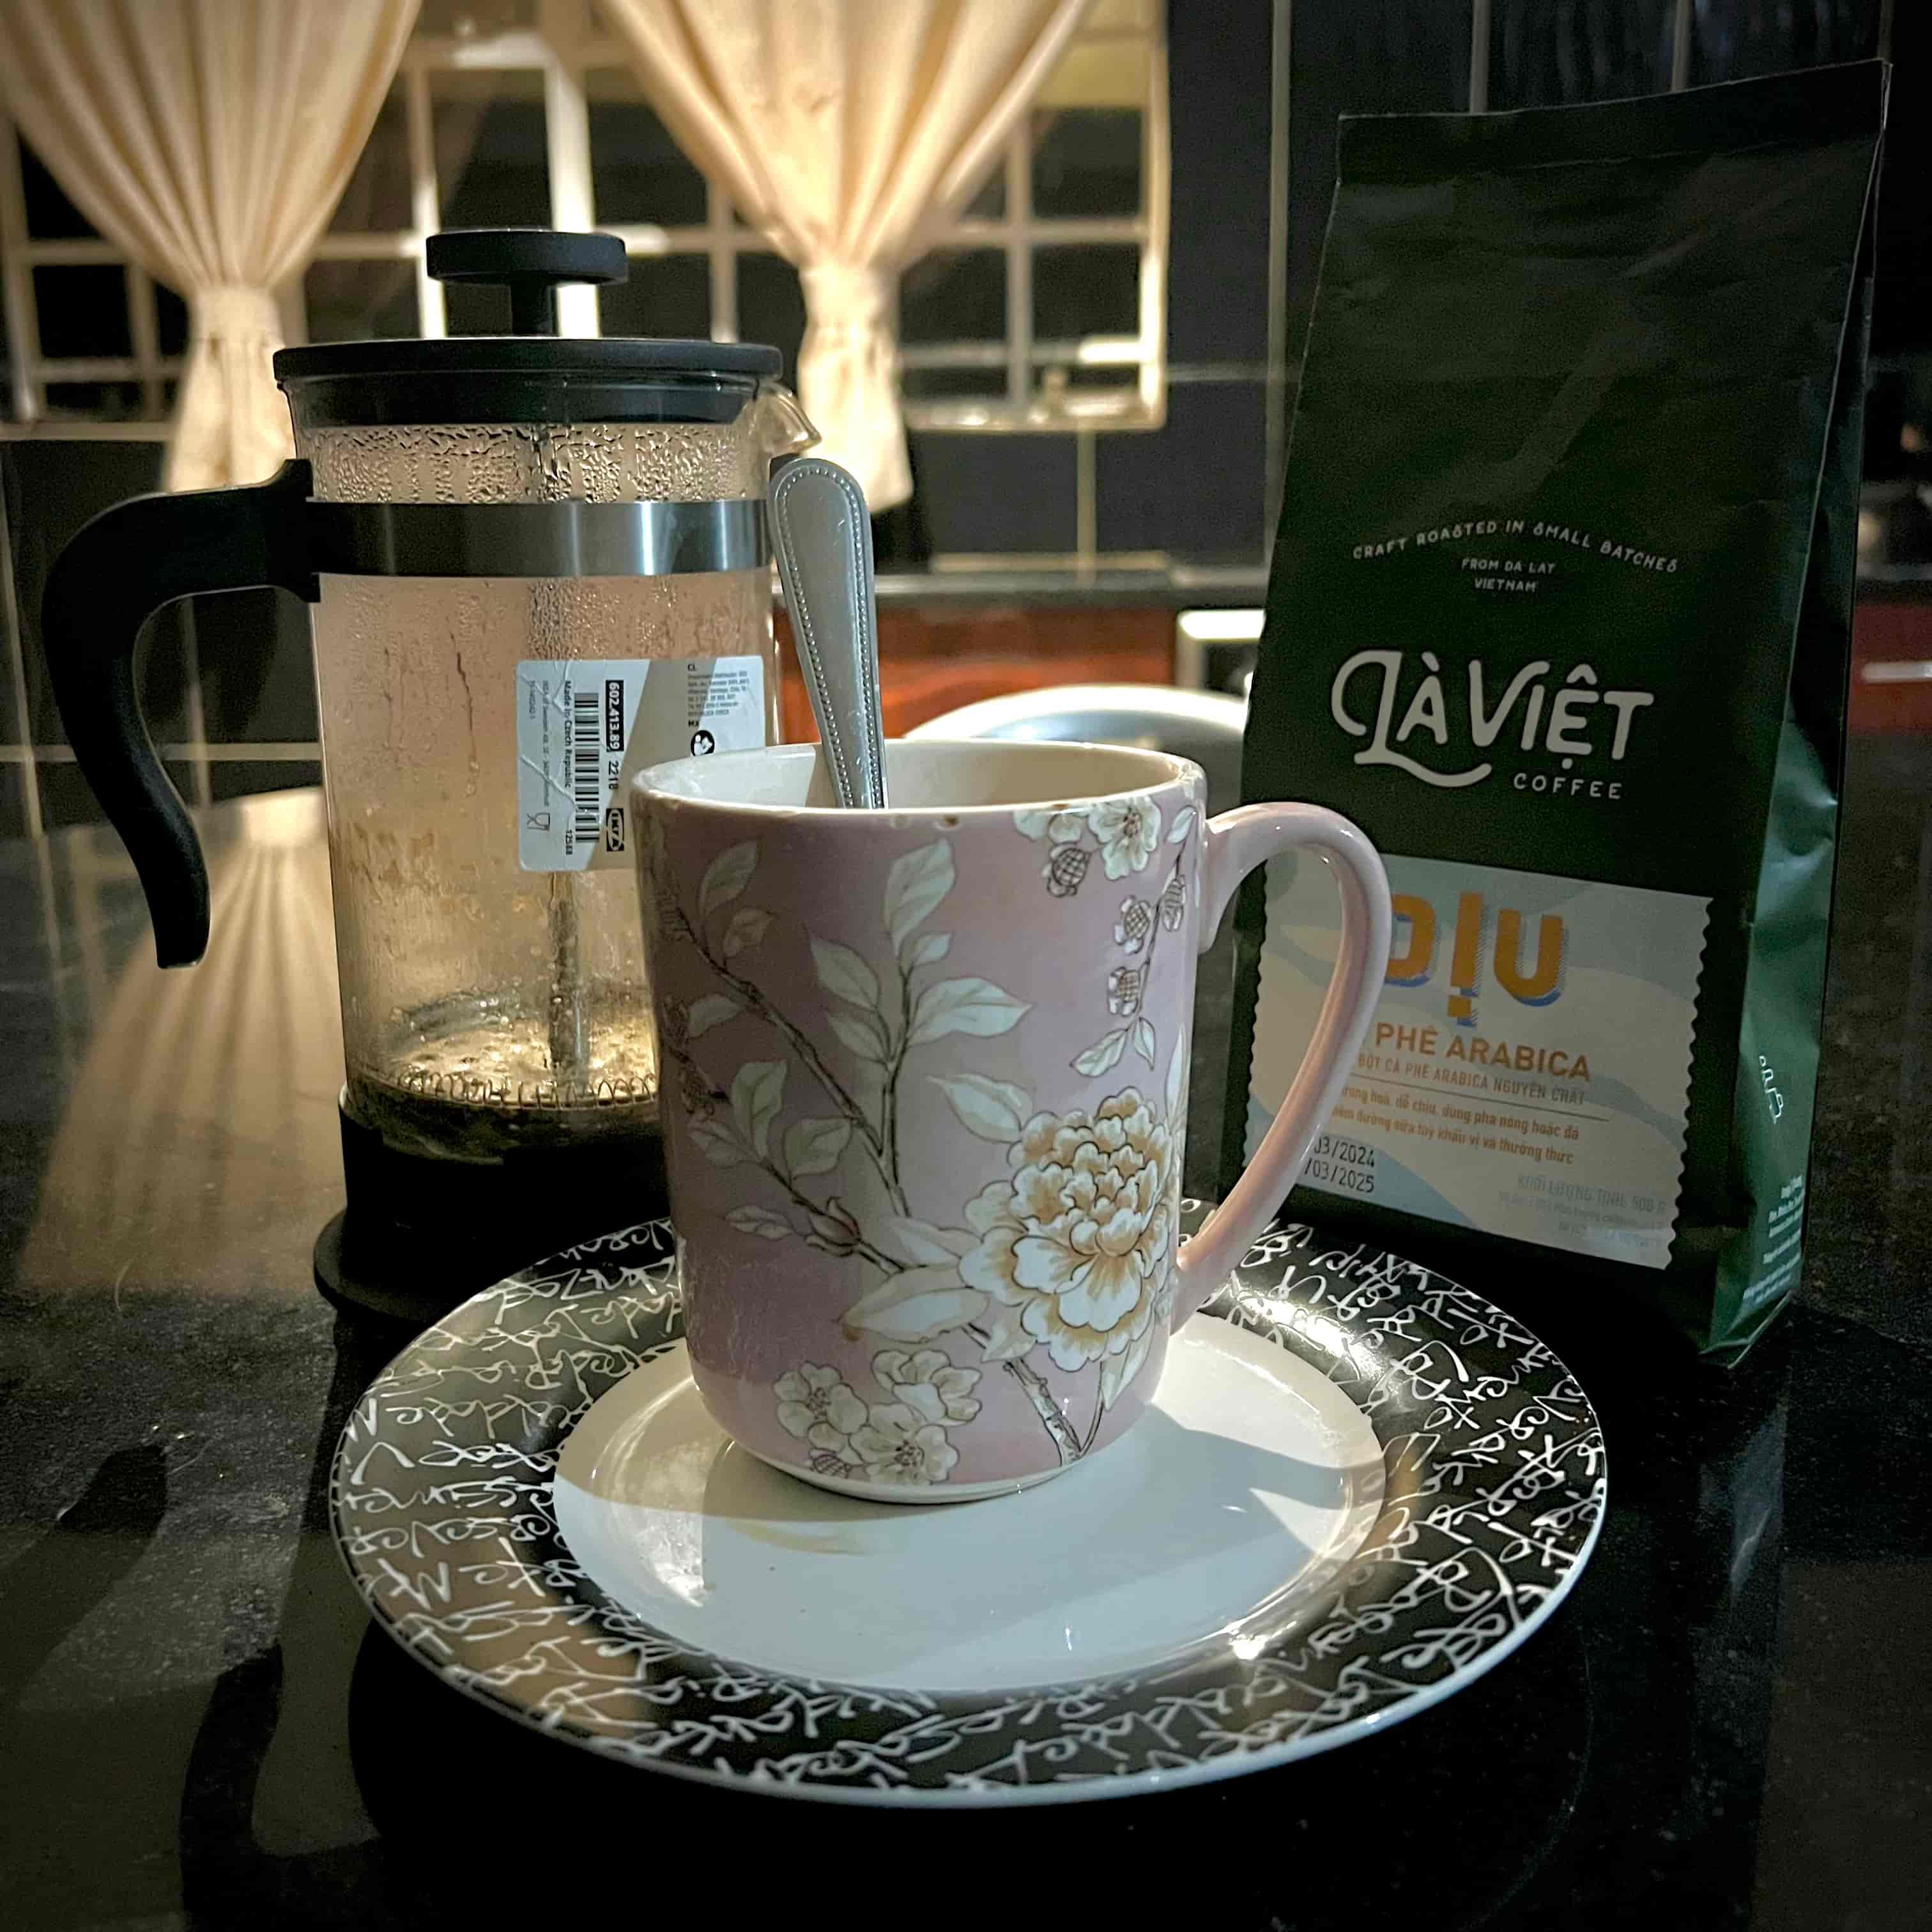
x,y
1225,1516
532,1503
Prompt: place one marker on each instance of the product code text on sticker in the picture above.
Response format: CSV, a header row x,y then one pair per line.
x,y
585,726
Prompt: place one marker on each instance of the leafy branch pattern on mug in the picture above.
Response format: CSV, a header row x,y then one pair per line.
x,y
1072,1253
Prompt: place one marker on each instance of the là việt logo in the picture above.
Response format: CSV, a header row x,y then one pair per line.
x,y
1378,695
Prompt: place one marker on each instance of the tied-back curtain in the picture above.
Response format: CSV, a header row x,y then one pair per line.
x,y
210,140
845,130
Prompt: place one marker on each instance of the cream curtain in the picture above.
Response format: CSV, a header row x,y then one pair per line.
x,y
844,130
210,140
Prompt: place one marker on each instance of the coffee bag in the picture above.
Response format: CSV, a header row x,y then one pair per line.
x,y
1560,614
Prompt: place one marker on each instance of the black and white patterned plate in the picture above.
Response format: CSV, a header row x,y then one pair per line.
x,y
1494,1490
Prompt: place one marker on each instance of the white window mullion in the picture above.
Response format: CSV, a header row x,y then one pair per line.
x,y
955,355
1019,264
16,660
1680,47
521,47
366,247
567,143
76,250
1155,172
17,281
642,239
722,249
196,714
141,332
94,369
982,234
423,208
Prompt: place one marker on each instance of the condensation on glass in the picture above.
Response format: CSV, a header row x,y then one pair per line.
x,y
485,1007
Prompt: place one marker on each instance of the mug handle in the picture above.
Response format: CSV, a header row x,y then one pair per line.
x,y
1232,846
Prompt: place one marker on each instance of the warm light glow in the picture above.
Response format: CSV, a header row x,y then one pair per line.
x,y
1222,627
282,820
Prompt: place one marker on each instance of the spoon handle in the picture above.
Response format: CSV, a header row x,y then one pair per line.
x,y
822,536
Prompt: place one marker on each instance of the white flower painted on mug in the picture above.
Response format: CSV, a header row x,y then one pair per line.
x,y
928,1384
1136,922
1059,824
898,1445
1117,1372
811,1398
1080,1240
1128,832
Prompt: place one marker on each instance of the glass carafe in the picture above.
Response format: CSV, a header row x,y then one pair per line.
x,y
492,989
537,564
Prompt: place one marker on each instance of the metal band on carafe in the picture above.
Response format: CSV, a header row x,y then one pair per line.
x,y
566,539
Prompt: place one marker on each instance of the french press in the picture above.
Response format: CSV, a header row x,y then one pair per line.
x,y
537,564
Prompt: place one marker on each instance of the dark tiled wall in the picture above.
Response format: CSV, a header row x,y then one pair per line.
x,y
1356,57
1547,56
1202,474
1546,52
1731,39
1195,487
994,493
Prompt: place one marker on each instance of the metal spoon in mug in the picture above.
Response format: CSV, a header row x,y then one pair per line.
x,y
822,536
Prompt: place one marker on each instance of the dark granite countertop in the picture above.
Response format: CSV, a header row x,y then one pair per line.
x,y
1725,1725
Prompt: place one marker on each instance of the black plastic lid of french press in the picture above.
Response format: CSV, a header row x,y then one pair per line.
x,y
532,375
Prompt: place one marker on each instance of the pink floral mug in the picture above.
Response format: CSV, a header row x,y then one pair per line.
x,y
925,1083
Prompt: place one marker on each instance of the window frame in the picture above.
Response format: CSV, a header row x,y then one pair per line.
x,y
1141,403
29,370
564,46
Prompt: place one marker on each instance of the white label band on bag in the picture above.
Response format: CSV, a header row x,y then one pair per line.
x,y
1527,1071
585,725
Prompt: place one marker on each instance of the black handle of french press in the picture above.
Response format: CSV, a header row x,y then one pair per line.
x,y
114,573
530,263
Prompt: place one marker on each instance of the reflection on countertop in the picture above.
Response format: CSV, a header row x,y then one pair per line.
x,y
199,1105
1724,1726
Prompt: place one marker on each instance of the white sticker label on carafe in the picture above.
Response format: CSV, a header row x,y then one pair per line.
x,y
586,725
